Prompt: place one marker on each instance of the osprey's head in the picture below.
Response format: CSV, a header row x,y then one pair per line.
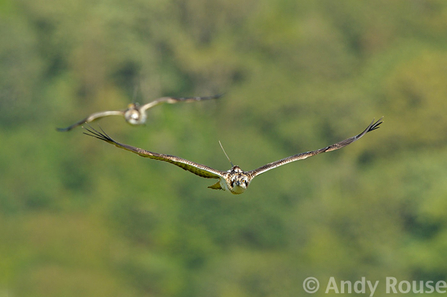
x,y
237,180
133,115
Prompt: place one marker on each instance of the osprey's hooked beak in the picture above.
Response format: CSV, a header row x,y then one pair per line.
x,y
239,187
241,184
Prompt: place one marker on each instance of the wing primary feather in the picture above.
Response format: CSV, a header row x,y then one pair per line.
x,y
95,133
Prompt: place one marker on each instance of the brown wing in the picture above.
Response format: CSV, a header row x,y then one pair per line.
x,y
198,169
373,126
172,100
91,118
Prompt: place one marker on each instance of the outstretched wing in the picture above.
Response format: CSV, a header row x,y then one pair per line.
x,y
172,100
198,169
91,118
373,126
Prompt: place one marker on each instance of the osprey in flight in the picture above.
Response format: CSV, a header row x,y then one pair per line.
x,y
234,180
135,114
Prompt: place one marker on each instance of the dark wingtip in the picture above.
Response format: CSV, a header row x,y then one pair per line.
x,y
218,96
63,129
375,125
97,134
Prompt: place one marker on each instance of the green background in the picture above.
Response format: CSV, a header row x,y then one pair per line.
x,y
79,217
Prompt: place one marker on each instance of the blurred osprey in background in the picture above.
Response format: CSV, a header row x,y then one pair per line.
x,y
135,114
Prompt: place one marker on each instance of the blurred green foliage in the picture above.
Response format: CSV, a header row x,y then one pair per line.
x,y
81,218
